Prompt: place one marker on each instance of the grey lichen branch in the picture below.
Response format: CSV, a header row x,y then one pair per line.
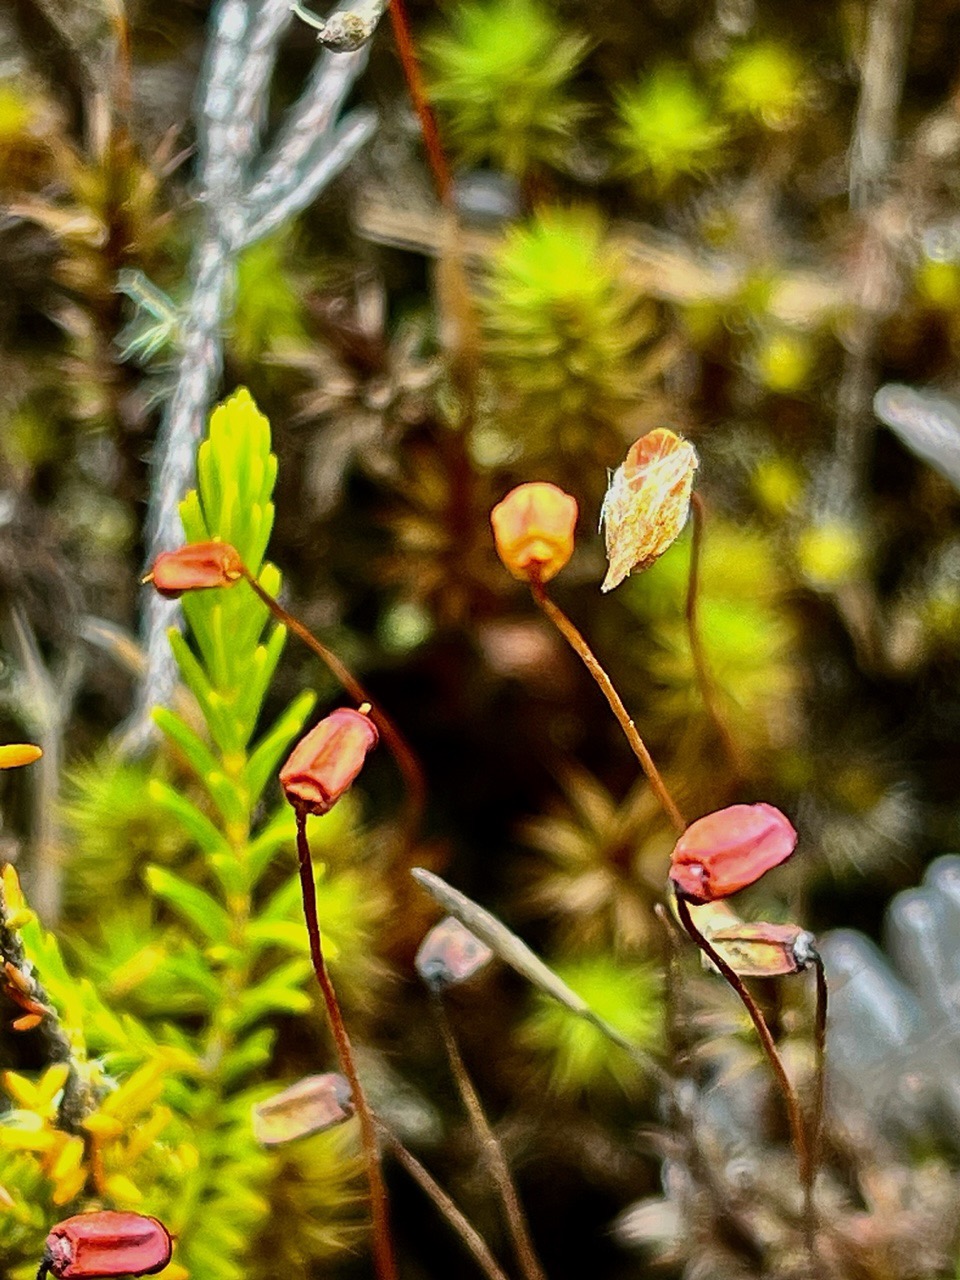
x,y
244,195
346,29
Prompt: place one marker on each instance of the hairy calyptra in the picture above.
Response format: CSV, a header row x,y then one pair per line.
x,y
647,503
106,1244
728,850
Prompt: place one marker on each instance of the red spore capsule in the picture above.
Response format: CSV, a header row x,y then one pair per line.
x,y
196,567
106,1244
324,763
729,850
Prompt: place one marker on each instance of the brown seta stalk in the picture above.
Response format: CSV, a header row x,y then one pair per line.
x,y
414,784
820,1081
454,1215
586,654
798,1132
384,1262
705,681
491,1151
418,95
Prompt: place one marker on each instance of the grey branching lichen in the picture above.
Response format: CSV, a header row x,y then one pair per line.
x,y
245,193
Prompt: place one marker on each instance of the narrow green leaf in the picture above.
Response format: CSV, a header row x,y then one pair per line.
x,y
280,830
281,933
251,1053
194,904
265,1000
202,759
269,751
191,517
210,702
252,692
195,823
229,798
232,872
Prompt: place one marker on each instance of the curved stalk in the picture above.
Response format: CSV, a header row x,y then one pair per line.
x,y
705,681
428,124
763,1031
382,1245
587,656
492,1152
820,1082
457,1219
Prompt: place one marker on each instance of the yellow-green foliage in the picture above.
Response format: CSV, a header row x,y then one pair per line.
x,y
499,76
668,129
172,1030
602,863
765,81
575,1056
268,307
748,636
563,327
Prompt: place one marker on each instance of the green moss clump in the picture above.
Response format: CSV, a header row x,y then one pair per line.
x,y
667,129
499,77
563,327
576,1055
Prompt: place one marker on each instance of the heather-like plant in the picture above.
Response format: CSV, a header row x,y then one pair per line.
x,y
200,971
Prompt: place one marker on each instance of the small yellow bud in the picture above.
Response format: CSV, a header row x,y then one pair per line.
x,y
14,754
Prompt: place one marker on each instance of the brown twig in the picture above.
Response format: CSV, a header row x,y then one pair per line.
x,y
428,124
820,1070
492,1152
382,1245
794,1114
407,762
583,650
461,1224
705,682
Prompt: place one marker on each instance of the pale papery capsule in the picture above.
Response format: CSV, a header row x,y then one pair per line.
x,y
647,503
762,950
312,1105
450,954
106,1244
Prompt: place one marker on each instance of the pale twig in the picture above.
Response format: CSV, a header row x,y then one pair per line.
x,y
464,1228
491,1151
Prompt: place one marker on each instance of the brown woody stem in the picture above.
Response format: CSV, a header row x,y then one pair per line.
x,y
492,1152
407,762
705,682
819,1089
794,1115
583,650
384,1263
457,1219
428,124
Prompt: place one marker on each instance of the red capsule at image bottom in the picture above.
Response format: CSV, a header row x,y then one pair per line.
x,y
105,1244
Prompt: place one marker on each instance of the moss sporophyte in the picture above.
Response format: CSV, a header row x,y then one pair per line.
x,y
105,1244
